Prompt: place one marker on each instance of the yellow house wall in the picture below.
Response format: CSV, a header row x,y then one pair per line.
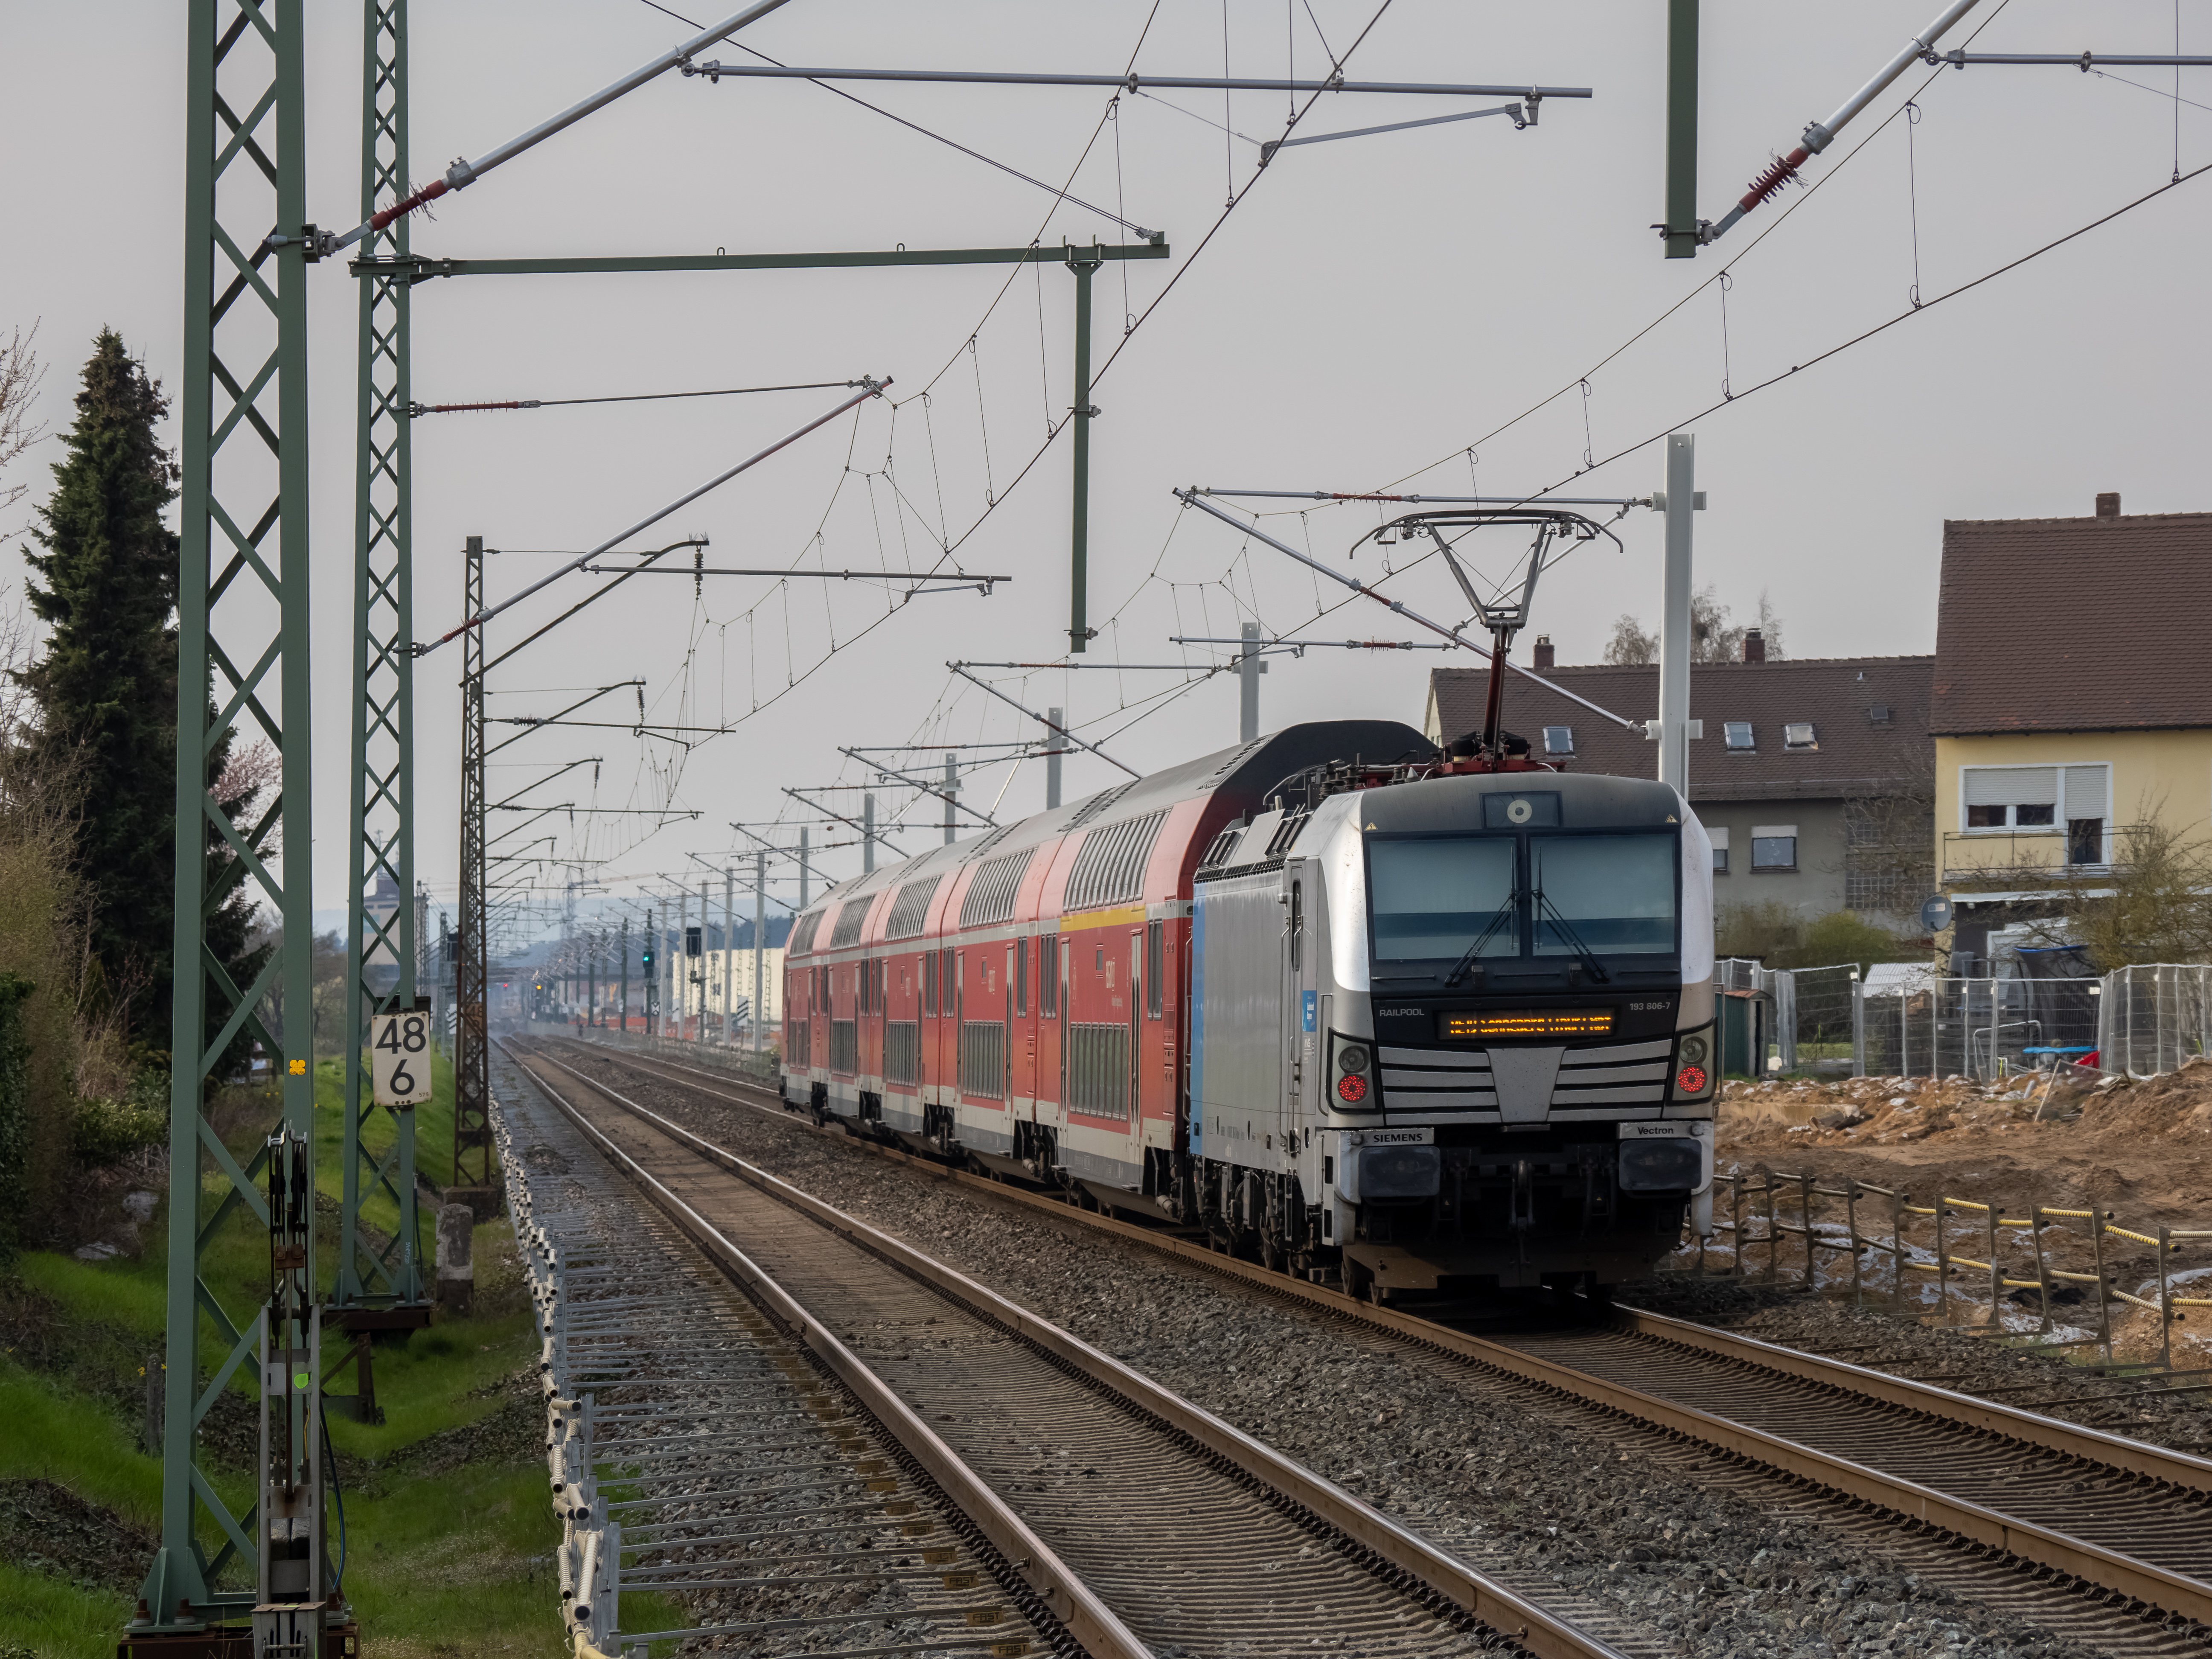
x,y
2165,774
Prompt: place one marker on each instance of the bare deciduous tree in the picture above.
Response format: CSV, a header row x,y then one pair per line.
x,y
1716,638
20,375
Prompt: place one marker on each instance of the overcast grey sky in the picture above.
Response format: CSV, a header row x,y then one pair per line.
x,y
1372,309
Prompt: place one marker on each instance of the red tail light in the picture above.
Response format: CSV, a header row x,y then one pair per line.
x,y
1691,1079
1352,1088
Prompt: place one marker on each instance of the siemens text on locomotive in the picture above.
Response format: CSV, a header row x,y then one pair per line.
x,y
1355,1007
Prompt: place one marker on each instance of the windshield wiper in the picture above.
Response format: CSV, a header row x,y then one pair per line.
x,y
1566,931
1503,914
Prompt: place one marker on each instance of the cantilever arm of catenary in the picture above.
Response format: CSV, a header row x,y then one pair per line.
x,y
464,173
1193,498
1054,725
927,788
875,389
1819,135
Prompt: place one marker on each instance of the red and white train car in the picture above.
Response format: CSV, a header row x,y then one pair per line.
x,y
1020,998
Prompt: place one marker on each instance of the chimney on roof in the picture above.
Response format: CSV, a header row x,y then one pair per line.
x,y
1755,645
2108,504
1544,653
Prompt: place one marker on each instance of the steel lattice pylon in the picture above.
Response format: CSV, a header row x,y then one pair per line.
x,y
381,943
242,673
474,1164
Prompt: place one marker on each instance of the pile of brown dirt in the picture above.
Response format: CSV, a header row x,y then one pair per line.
x,y
2137,1151
2141,1149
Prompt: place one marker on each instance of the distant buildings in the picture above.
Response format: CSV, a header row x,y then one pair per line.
x,y
2072,698
2068,699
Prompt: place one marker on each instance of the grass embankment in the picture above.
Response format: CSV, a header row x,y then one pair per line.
x,y
449,1529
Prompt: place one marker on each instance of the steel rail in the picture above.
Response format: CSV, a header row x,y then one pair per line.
x,y
1090,1621
1539,1631
2044,1547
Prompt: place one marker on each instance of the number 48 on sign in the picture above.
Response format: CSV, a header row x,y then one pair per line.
x,y
399,1058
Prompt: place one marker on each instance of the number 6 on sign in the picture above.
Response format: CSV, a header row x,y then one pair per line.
x,y
399,1058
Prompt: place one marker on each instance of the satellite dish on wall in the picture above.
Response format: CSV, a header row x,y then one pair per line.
x,y
1935,913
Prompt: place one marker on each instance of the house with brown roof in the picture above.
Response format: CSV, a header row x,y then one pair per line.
x,y
2072,696
1811,776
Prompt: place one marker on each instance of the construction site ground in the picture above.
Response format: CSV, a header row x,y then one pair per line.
x,y
2139,1150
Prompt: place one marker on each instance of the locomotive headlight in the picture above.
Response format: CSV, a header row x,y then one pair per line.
x,y
1350,1078
1693,1065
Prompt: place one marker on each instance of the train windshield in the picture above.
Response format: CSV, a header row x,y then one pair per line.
x,y
1608,895
1434,896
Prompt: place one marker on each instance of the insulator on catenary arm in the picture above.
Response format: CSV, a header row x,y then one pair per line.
x,y
414,409
1819,135
465,173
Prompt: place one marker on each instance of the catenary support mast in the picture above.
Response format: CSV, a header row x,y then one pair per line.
x,y
382,951
242,664
472,1152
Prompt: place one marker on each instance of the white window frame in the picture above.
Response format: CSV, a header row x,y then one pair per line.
x,y
1760,832
1568,731
1751,748
2057,826
1812,736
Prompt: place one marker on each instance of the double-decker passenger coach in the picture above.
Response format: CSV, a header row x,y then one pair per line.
x,y
1358,1007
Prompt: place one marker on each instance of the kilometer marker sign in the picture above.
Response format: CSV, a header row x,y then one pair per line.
x,y
399,1058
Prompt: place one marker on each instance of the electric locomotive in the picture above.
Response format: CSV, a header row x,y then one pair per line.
x,y
1359,1008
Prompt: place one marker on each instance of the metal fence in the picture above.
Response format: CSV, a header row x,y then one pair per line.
x,y
1946,1026
1773,1228
1827,1019
2153,1018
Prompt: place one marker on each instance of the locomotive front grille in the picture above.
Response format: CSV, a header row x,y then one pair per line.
x,y
1591,1081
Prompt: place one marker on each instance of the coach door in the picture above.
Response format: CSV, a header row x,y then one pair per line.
x,y
1138,989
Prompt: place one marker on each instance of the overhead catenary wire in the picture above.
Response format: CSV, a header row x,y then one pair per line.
x,y
948,545
1695,288
875,389
1192,498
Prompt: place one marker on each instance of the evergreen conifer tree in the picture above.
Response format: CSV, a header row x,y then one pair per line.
x,y
106,684
106,688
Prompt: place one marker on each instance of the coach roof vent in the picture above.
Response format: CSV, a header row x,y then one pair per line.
x,y
802,933
852,916
1110,869
990,895
1098,804
910,909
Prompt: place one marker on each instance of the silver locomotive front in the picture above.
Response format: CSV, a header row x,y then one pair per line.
x,y
1457,1029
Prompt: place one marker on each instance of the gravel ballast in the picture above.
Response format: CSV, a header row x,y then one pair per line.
x,y
1659,1547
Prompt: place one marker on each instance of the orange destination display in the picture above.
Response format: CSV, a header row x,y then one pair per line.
x,y
1526,1022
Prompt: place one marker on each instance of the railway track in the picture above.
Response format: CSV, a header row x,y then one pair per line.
x,y
2100,1521
1139,1522
689,1432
